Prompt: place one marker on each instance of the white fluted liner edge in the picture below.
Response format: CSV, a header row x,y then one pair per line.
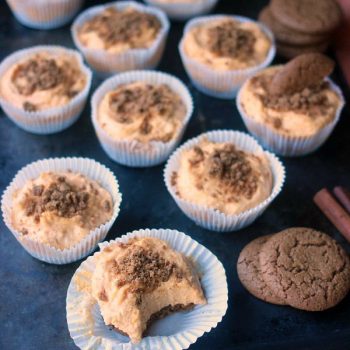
x,y
88,167
213,219
44,14
182,329
221,84
134,153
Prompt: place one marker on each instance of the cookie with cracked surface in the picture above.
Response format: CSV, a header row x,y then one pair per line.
x,y
249,273
291,51
287,35
305,71
309,16
305,267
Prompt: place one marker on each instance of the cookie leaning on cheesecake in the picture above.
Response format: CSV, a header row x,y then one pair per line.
x,y
299,267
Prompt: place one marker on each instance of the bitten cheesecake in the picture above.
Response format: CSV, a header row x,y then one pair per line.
x,y
227,44
223,177
43,80
117,31
293,100
142,280
60,209
143,112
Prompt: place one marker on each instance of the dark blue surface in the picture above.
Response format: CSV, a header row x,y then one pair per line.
x,y
32,293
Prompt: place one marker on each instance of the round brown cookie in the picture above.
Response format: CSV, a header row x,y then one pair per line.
x,y
248,269
309,16
291,51
286,35
307,268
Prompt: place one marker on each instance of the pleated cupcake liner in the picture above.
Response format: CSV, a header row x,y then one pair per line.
x,y
176,331
51,120
210,218
182,11
216,83
44,14
88,167
106,63
286,145
131,152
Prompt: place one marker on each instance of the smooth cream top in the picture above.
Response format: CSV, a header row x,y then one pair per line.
x,y
222,177
227,44
60,209
134,281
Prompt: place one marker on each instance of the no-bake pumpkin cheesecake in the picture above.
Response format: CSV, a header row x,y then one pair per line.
x,y
142,280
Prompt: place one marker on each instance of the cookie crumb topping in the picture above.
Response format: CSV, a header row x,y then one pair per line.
x,y
143,102
311,101
60,197
228,40
29,107
144,270
37,74
232,167
114,26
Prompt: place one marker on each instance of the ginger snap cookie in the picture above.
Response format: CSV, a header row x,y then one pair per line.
x,y
307,70
287,36
310,16
249,272
306,268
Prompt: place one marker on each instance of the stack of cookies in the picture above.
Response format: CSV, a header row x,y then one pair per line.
x,y
300,267
301,26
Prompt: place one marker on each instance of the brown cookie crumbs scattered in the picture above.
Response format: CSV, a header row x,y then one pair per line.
x,y
305,71
197,157
107,206
173,179
228,40
103,296
114,26
59,197
29,107
232,167
37,74
144,270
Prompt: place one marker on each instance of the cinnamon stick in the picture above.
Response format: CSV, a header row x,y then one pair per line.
x,y
333,211
343,196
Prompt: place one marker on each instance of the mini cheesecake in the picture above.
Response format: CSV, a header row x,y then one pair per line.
x,y
223,177
142,112
142,280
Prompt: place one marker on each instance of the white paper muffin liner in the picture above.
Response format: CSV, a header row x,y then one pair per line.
x,y
221,84
175,332
51,120
213,219
184,10
44,14
107,63
88,167
285,145
134,153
